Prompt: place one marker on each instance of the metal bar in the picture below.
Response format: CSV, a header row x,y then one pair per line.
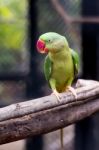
x,y
85,137
33,85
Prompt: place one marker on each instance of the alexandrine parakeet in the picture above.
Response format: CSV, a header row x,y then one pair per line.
x,y
61,63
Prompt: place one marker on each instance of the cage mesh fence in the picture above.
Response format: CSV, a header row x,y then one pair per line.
x,y
50,20
14,55
13,34
11,92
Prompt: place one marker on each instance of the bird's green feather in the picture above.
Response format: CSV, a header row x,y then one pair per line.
x,y
75,58
48,65
47,68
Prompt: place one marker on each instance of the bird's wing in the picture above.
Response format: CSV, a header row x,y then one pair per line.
x,y
47,68
75,58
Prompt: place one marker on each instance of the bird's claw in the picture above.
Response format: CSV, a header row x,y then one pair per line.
x,y
57,95
72,90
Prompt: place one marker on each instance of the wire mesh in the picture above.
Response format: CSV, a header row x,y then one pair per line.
x,y
12,92
50,20
14,55
13,34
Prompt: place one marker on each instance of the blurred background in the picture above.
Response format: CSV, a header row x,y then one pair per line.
x,y
21,66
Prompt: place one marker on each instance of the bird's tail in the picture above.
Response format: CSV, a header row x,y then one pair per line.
x,y
61,139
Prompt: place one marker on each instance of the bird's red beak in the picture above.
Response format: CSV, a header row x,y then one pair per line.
x,y
41,47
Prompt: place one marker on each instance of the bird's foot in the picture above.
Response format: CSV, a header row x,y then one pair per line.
x,y
57,95
72,90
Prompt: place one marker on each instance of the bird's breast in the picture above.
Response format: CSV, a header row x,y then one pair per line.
x,y
62,71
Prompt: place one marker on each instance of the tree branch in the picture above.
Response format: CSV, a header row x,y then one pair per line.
x,y
46,114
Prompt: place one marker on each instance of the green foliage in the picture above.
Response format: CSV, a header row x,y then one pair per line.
x,y
12,32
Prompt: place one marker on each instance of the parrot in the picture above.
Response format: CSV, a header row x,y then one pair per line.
x,y
61,64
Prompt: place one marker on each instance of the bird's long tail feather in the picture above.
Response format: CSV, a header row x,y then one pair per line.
x,y
61,139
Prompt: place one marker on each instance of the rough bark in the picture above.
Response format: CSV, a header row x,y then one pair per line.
x,y
46,114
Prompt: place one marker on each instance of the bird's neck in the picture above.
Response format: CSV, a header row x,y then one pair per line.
x,y
61,55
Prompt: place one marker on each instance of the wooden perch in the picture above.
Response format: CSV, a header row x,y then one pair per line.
x,y
46,114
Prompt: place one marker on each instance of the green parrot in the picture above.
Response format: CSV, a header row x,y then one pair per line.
x,y
61,63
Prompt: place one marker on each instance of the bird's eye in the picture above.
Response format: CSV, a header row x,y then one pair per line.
x,y
49,40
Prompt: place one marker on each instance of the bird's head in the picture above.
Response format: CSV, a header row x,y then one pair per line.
x,y
51,42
